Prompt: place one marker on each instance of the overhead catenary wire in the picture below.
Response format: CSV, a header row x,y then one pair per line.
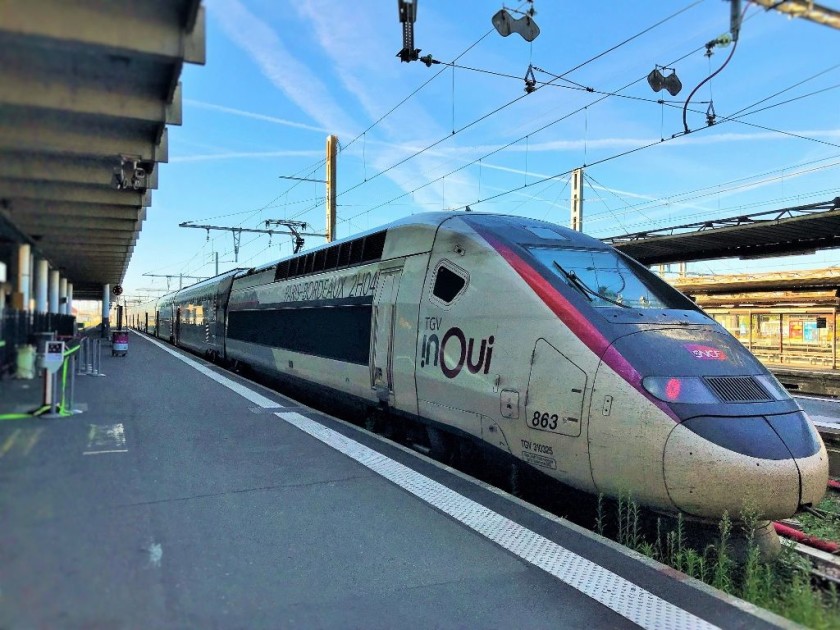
x,y
747,182
709,47
621,154
605,95
562,118
515,100
701,193
732,118
310,170
592,185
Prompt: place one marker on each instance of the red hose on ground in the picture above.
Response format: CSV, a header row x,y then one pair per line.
x,y
834,485
805,539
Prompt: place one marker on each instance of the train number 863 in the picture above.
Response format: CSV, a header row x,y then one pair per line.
x,y
545,420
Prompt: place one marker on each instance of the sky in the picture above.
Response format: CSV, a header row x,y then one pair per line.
x,y
281,76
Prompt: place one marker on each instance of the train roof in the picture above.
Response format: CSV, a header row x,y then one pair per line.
x,y
202,283
507,227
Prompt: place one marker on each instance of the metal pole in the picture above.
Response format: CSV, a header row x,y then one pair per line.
x,y
94,367
82,360
99,371
91,343
576,221
106,308
72,395
781,343
332,185
54,396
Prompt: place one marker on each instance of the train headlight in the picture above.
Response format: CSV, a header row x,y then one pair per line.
x,y
679,389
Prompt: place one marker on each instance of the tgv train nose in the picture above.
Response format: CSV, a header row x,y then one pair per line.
x,y
772,463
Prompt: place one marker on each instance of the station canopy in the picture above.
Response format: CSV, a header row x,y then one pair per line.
x,y
88,90
799,230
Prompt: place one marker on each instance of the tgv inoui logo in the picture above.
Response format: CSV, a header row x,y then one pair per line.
x,y
460,350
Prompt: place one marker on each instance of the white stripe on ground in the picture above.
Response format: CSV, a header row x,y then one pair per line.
x,y
828,400
240,389
613,591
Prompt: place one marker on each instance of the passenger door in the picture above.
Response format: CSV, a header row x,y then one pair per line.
x,y
556,389
382,337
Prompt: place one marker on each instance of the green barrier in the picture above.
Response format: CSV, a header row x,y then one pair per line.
x,y
62,405
22,416
42,410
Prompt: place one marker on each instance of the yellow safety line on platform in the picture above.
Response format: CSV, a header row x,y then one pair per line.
x,y
33,439
10,441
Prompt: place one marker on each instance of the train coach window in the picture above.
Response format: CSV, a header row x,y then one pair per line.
x,y
332,257
449,283
282,270
356,248
374,244
320,259
344,254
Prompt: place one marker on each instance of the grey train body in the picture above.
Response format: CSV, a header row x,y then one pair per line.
x,y
540,342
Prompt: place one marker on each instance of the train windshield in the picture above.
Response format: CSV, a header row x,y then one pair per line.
x,y
606,279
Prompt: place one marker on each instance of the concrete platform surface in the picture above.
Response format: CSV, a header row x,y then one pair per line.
x,y
184,497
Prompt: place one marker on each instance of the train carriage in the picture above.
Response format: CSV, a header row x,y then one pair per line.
x,y
542,344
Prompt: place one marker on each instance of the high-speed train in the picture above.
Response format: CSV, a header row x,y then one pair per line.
x,y
540,343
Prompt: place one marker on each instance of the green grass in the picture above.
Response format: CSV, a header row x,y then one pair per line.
x,y
781,585
825,523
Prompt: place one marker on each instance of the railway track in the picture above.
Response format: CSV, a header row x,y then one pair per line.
x,y
825,567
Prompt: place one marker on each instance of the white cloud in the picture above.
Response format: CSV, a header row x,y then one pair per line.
x,y
254,115
294,78
238,155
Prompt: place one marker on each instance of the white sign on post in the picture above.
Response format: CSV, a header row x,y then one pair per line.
x,y
53,356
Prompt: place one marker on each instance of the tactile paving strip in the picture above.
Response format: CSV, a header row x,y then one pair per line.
x,y
620,595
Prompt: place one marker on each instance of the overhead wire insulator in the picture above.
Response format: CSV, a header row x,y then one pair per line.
x,y
530,80
723,40
710,114
428,60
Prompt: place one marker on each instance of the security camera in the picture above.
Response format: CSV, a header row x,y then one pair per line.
x,y
138,178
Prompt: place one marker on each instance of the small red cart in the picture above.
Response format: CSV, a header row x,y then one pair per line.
x,y
119,343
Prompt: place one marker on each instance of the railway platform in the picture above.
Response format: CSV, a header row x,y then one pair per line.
x,y
183,496
808,380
